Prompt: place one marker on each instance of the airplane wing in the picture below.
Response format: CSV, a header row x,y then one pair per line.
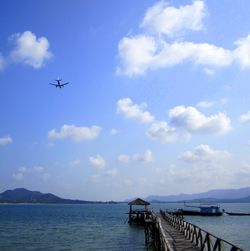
x,y
65,84
53,84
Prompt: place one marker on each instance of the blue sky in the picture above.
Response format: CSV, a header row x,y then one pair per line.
x,y
158,101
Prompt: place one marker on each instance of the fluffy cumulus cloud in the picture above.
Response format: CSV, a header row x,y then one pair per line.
x,y
209,104
136,54
5,140
142,52
112,172
75,133
194,121
205,104
22,169
145,157
128,109
245,118
19,174
97,161
242,52
124,158
30,49
183,122
208,71
114,131
153,53
30,172
162,132
38,169
203,153
168,20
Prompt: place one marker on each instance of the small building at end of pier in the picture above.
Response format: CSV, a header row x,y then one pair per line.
x,y
138,212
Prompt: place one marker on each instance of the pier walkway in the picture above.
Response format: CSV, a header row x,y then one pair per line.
x,y
168,238
172,233
174,239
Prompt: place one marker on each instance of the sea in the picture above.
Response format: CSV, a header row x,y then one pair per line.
x,y
100,227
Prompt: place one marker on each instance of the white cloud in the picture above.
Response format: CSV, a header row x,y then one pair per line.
x,y
146,157
205,104
142,53
45,176
223,101
245,118
242,52
208,104
18,176
75,133
203,153
171,21
38,169
136,54
194,121
22,169
114,131
30,50
128,109
208,71
124,158
111,172
23,172
162,132
5,140
97,161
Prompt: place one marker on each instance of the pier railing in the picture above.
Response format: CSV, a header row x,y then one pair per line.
x,y
201,238
162,241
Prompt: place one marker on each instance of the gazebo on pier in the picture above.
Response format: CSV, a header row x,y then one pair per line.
x,y
138,215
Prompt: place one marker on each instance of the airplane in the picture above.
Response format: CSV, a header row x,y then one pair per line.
x,y
59,83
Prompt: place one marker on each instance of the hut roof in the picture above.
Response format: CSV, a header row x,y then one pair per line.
x,y
139,202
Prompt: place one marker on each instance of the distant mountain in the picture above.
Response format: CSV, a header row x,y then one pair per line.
x,y
208,200
241,194
22,195
212,200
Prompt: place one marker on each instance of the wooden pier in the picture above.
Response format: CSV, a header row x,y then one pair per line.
x,y
172,233
169,238
168,232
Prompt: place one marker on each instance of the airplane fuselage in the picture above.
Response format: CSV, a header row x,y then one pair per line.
x,y
59,84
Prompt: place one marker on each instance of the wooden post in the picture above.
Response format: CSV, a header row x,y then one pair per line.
x,y
130,212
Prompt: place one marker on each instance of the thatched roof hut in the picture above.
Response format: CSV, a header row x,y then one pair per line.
x,y
138,202
138,216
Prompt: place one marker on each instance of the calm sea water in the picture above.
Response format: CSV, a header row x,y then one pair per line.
x,y
67,227
98,227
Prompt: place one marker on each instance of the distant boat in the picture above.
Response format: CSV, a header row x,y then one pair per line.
x,y
202,210
238,214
